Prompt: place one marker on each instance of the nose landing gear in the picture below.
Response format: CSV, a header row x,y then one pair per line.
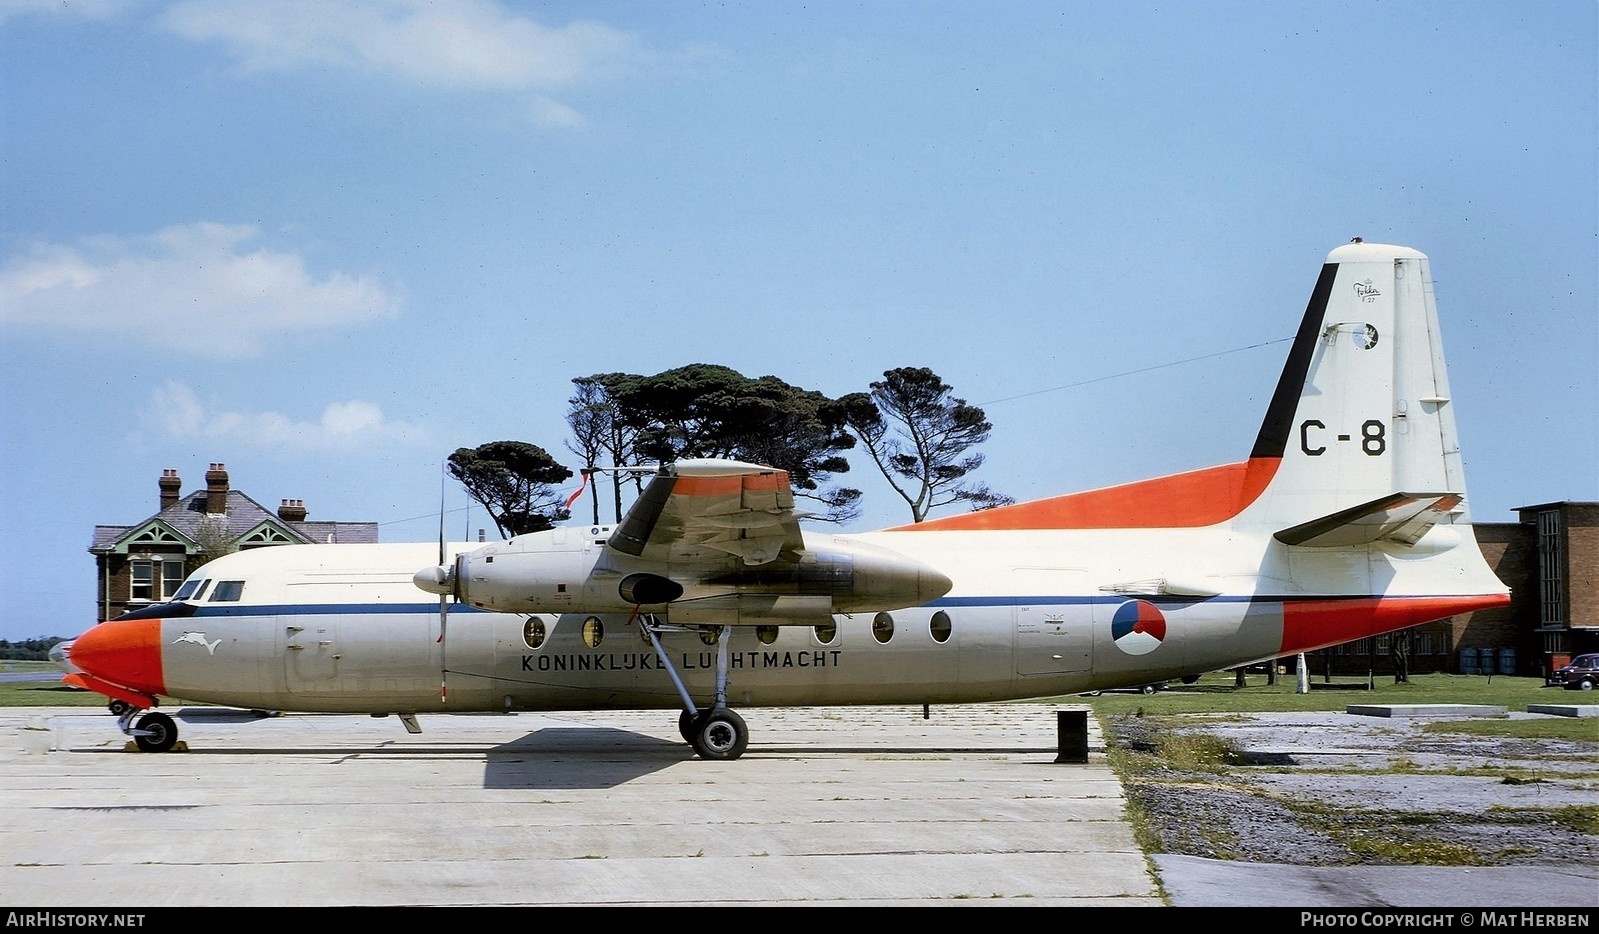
x,y
155,732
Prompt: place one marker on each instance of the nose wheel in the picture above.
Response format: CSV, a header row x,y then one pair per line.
x,y
155,732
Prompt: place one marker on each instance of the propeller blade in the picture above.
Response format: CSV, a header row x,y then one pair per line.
x,y
446,582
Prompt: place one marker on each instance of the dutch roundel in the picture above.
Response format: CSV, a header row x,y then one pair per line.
x,y
1138,627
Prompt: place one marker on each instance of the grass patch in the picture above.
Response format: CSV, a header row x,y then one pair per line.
x,y
1575,728
48,693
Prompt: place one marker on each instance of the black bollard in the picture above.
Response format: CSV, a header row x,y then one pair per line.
x,y
1072,741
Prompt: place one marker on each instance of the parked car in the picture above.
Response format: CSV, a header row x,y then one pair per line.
x,y
1149,688
1581,675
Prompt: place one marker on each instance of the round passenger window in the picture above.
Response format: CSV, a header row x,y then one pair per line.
x,y
883,627
710,635
767,634
593,632
939,626
533,632
825,633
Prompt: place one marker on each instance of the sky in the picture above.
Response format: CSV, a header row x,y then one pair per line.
x,y
328,244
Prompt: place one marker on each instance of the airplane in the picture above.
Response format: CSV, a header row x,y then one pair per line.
x,y
1348,519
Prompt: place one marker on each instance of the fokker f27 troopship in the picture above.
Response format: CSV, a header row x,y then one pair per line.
x,y
1347,520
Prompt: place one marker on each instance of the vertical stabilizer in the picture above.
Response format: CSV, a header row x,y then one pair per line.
x,y
1361,422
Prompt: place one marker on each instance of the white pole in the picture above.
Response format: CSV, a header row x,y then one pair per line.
x,y
1303,686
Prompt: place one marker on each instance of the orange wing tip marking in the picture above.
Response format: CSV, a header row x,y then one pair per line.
x,y
730,485
114,691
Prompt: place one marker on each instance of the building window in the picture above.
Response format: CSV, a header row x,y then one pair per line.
x,y
155,579
143,576
1551,570
171,578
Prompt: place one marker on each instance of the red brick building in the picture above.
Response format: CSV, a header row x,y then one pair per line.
x,y
138,565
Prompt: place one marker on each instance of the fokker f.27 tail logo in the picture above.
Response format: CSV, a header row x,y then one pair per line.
x,y
198,638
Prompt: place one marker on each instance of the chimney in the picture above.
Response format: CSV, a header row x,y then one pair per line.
x,y
171,488
216,489
292,510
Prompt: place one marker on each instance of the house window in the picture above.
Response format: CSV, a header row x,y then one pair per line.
x,y
171,578
153,579
143,576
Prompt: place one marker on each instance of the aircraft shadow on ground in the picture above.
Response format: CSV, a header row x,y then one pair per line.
x,y
580,758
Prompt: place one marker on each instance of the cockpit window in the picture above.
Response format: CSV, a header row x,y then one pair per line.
x,y
189,587
227,592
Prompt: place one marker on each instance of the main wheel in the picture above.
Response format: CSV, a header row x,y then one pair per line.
x,y
687,726
721,735
156,733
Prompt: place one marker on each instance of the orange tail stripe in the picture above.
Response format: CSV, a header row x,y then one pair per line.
x,y
1315,624
1187,500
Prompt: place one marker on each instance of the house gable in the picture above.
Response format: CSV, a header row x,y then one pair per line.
x,y
155,535
268,533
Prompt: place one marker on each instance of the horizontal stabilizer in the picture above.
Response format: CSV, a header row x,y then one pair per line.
x,y
1398,517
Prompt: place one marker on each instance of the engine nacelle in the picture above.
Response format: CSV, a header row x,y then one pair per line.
x,y
557,572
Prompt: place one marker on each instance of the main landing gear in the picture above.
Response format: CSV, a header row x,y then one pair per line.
x,y
155,732
716,733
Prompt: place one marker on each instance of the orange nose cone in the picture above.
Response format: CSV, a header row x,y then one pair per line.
x,y
126,652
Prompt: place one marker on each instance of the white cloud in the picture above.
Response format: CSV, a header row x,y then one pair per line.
x,y
77,9
477,44
198,281
343,426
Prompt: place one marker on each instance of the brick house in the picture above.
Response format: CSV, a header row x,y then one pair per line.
x,y
137,565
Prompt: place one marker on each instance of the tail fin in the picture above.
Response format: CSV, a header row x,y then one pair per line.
x,y
1357,445
1361,427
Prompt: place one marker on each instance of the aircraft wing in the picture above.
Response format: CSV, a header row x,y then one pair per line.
x,y
710,510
